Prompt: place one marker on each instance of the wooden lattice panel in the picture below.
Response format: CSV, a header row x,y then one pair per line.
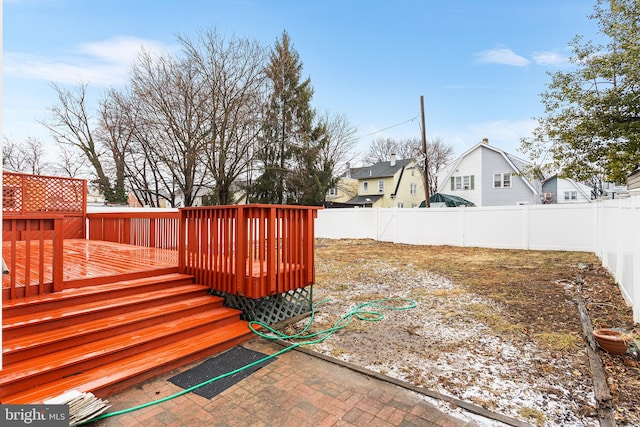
x,y
11,193
272,309
24,194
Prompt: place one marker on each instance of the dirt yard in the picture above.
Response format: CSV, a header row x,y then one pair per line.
x,y
498,328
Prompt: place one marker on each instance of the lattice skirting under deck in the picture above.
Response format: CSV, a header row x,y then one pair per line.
x,y
271,309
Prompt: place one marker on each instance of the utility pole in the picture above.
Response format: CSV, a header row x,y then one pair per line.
x,y
426,157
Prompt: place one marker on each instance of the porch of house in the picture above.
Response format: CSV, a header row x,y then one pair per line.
x,y
145,293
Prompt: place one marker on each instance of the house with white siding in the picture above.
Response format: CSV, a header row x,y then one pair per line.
x,y
489,176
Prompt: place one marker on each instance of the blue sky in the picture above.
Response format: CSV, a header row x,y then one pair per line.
x,y
480,64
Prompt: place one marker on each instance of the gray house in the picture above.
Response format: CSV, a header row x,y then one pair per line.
x,y
564,190
488,176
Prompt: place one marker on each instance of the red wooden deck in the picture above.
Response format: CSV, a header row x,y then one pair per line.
x,y
89,262
94,262
134,300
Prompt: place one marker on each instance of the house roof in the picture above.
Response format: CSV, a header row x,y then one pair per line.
x,y
516,163
379,170
584,189
363,200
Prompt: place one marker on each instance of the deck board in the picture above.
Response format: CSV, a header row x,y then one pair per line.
x,y
90,259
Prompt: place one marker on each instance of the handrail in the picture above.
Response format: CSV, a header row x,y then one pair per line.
x,y
39,239
248,250
150,229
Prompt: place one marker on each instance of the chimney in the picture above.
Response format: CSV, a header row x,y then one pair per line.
x,y
485,141
393,160
348,171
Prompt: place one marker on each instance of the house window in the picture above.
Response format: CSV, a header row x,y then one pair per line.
x,y
333,191
380,186
502,180
365,186
400,205
414,189
571,195
466,182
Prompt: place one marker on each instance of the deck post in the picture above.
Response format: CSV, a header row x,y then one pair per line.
x,y
12,266
309,245
272,244
27,263
240,250
58,254
84,207
182,240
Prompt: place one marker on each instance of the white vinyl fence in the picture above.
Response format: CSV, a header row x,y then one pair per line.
x,y
609,228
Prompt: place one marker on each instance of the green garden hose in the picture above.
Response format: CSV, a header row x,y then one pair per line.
x,y
364,311
369,311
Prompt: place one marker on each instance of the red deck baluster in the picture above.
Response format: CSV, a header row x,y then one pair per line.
x,y
58,254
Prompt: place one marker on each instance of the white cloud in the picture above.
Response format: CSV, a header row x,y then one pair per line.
x,y
119,49
101,63
503,56
550,58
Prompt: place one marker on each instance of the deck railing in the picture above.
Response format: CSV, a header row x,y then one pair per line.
x,y
150,229
34,243
252,251
248,250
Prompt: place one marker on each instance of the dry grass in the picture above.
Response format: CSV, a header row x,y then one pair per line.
x,y
559,342
533,415
523,296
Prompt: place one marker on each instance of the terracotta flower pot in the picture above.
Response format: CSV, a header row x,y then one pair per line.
x,y
615,342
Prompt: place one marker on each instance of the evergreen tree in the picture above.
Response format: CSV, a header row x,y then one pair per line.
x,y
290,143
313,175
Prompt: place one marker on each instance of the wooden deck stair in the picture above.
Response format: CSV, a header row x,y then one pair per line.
x,y
104,338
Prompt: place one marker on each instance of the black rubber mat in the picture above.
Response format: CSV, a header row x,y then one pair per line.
x,y
228,361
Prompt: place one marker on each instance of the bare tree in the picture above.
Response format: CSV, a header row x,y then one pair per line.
x,y
123,128
233,77
171,100
381,149
342,140
71,163
116,132
27,156
71,124
439,154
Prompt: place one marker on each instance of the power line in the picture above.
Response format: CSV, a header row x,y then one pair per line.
x,y
389,127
